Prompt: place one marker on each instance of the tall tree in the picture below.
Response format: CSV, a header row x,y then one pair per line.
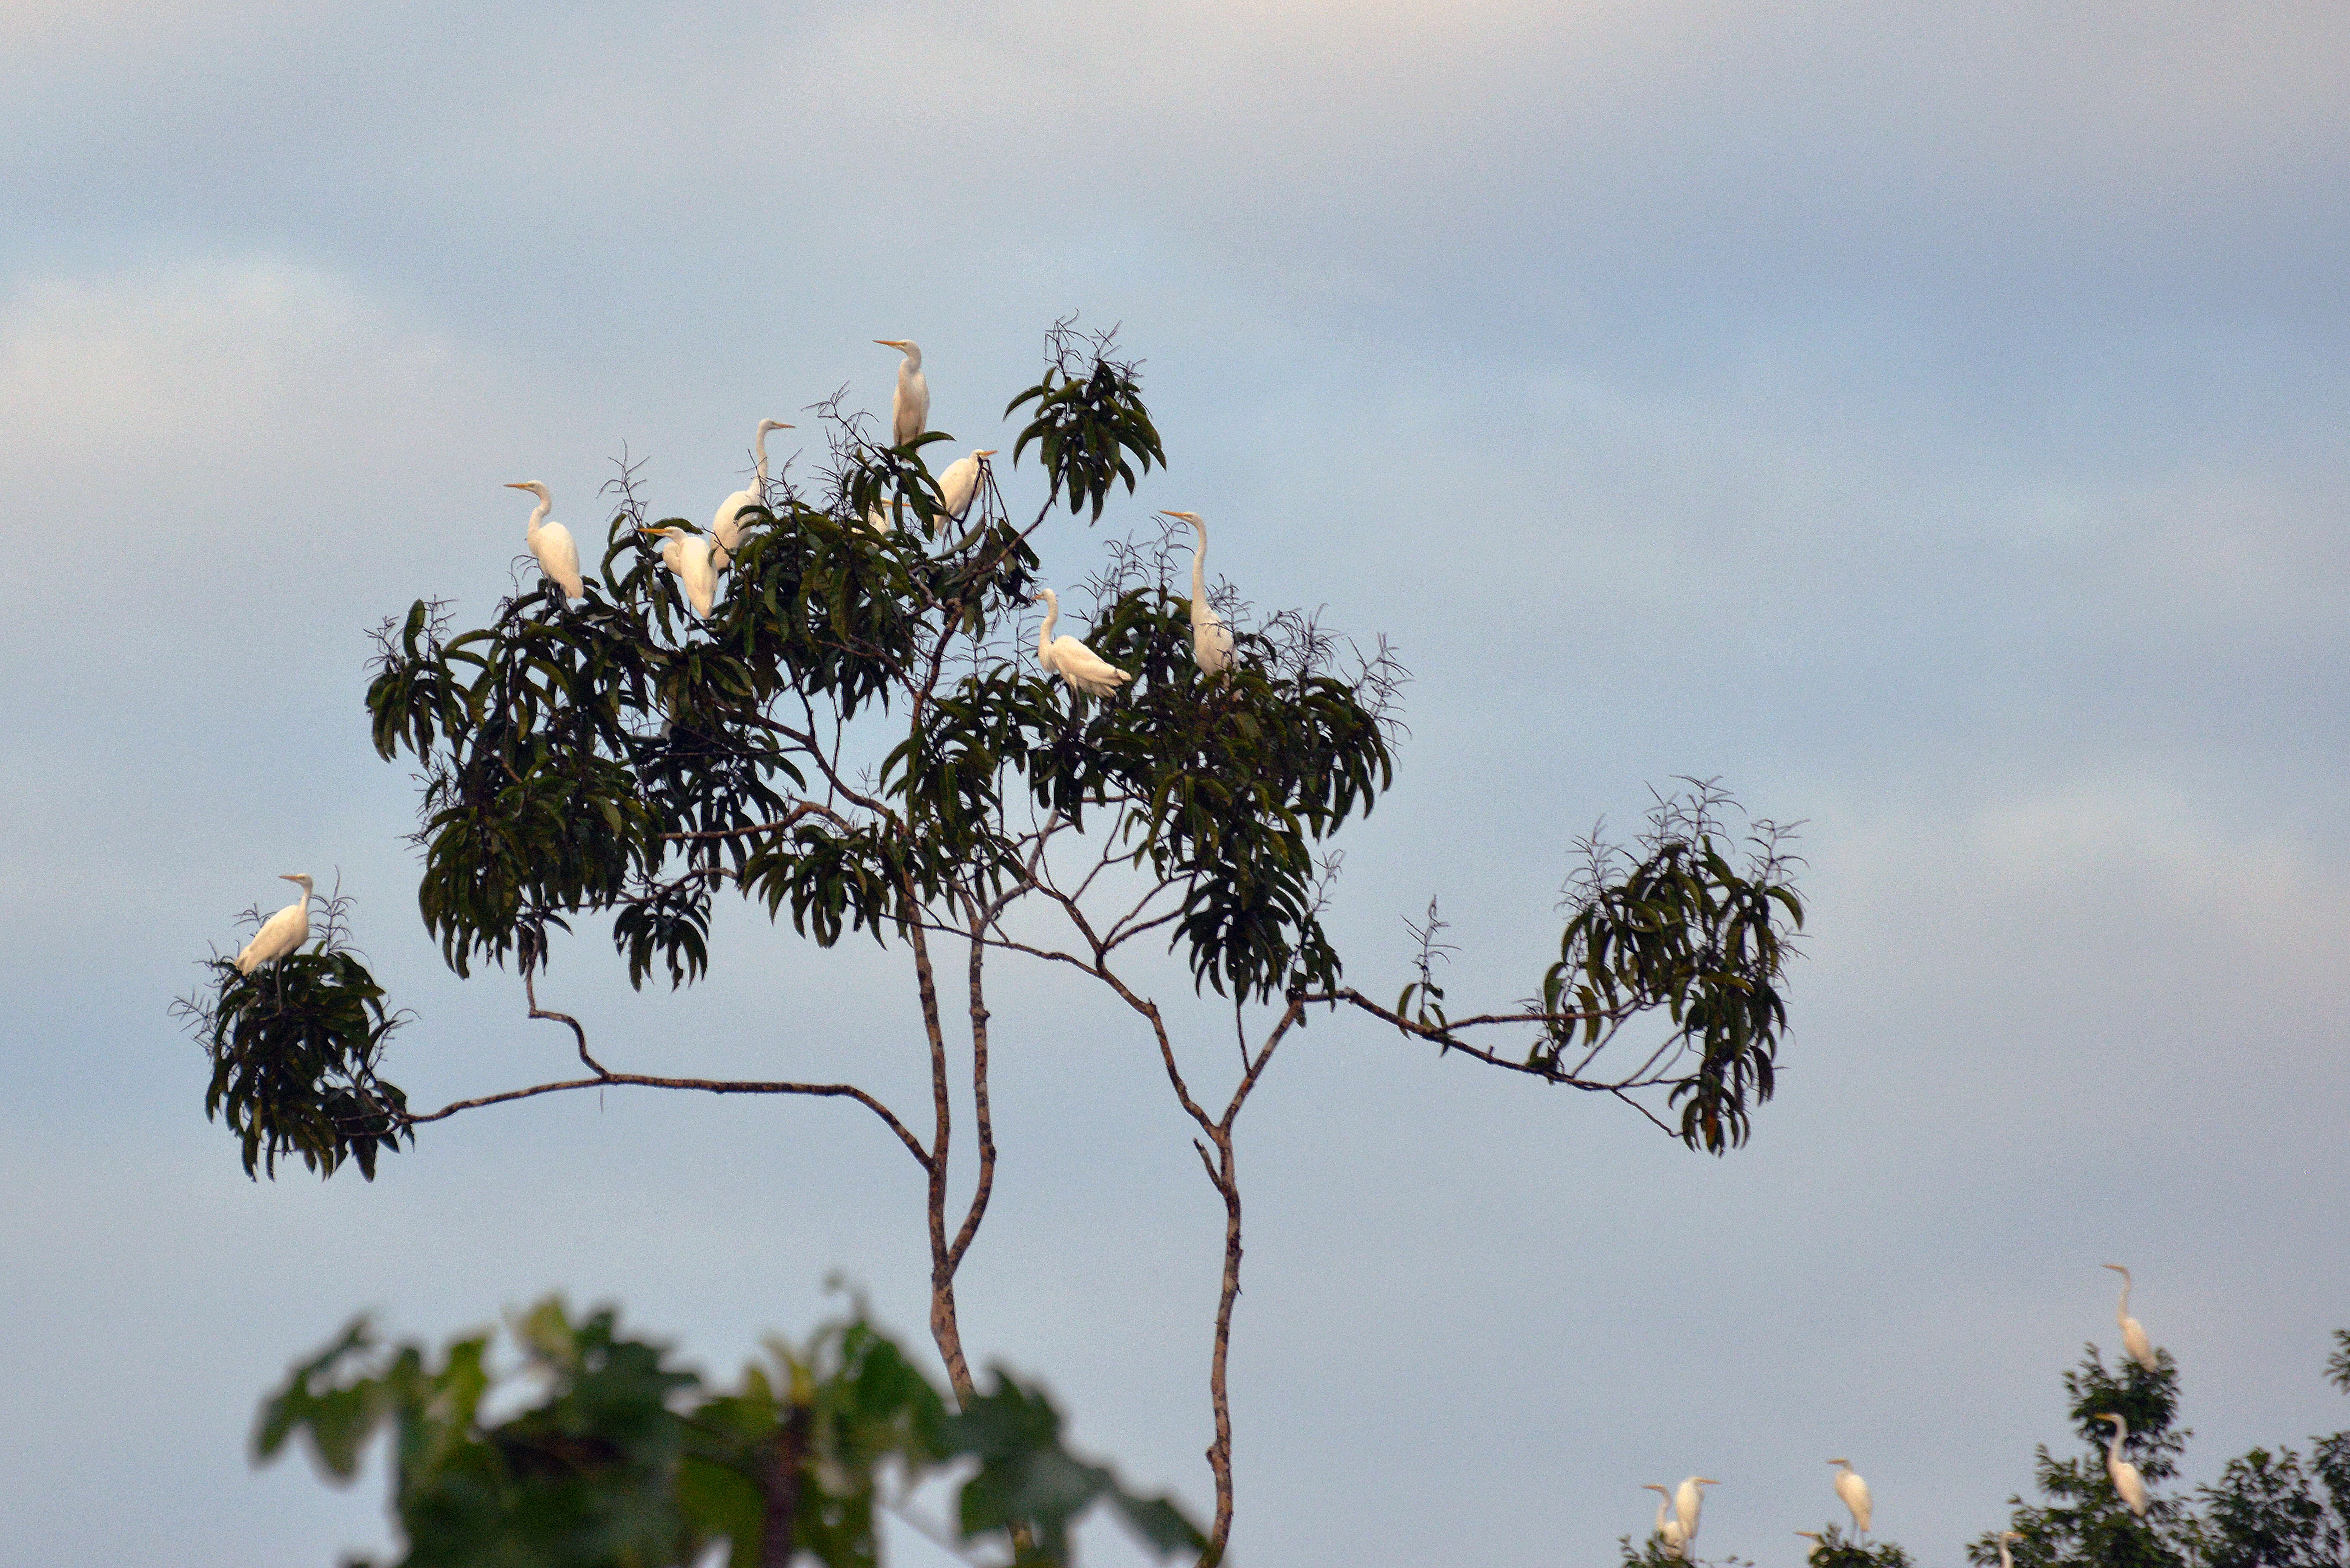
x,y
863,737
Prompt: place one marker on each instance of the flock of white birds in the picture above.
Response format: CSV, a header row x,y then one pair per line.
x,y
697,559
1677,1507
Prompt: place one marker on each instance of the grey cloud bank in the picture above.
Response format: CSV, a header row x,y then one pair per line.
x,y
1935,428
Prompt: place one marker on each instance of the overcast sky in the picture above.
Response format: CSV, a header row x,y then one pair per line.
x,y
1934,421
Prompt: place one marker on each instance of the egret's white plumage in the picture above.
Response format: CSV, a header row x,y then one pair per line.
x,y
688,555
2123,1474
909,405
2006,1558
282,933
1813,1537
959,486
726,527
1669,1529
1212,640
1687,1500
2134,1339
1855,1493
558,555
1072,660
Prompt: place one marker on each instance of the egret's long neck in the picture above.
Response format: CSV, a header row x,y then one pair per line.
x,y
537,515
1200,563
760,445
1052,618
2121,1436
2123,1311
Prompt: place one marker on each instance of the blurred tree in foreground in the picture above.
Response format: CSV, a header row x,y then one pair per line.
x,y
625,1460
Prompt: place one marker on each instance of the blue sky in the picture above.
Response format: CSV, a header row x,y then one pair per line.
x,y
1931,421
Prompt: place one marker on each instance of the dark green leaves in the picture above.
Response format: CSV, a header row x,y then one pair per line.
x,y
1088,420
295,1049
1028,1479
1685,930
623,1461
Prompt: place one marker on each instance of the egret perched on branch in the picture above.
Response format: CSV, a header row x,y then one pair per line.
x,y
1855,1492
726,527
1687,1501
282,933
1668,1527
2123,1473
688,555
2134,1339
1072,660
558,556
2006,1559
909,405
959,485
1212,640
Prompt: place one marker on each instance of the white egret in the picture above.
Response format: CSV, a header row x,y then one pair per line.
x,y
1669,1529
2007,1559
2123,1474
960,486
282,933
1212,640
909,405
2134,1339
727,527
1855,1492
1687,1502
688,555
1072,660
558,556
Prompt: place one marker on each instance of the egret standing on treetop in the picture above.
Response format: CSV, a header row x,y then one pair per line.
x,y
1687,1503
2134,1339
558,556
959,486
1212,640
688,555
2123,1473
282,933
726,527
1855,1492
909,405
1667,1528
1072,660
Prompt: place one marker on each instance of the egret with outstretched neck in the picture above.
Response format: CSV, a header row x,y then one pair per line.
x,y
2120,1471
558,554
909,405
1669,1529
688,555
282,933
2134,1339
1855,1493
727,526
1072,660
1212,640
959,486
1688,1502
2007,1559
